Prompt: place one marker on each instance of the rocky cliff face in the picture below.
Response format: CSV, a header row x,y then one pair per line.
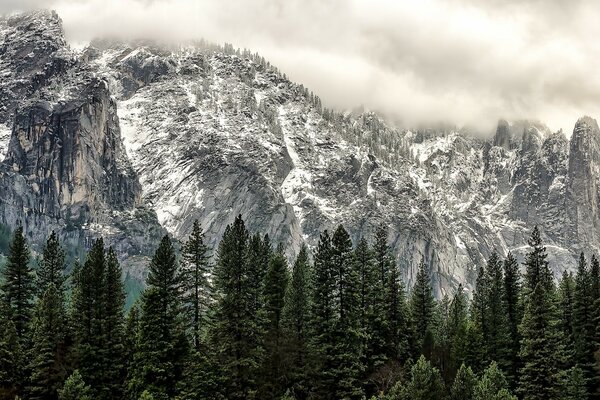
x,y
65,167
122,137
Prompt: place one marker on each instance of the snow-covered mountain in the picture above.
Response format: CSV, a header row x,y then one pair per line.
x,y
128,140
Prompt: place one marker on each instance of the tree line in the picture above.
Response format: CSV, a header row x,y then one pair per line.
x,y
337,324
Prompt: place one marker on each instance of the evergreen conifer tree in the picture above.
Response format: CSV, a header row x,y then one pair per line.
x,y
162,343
464,384
422,305
197,274
492,385
52,266
511,298
75,388
48,357
457,330
565,296
295,321
18,285
276,282
425,383
238,328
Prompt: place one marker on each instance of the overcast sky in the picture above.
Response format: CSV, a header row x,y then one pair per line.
x,y
461,61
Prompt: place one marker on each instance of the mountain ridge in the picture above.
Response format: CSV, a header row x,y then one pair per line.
x,y
209,132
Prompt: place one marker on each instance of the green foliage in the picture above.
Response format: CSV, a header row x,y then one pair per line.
x,y
425,384
463,387
162,343
18,285
197,273
75,388
295,321
52,266
511,298
48,363
492,385
237,331
422,306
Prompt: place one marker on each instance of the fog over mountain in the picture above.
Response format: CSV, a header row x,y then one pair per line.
x,y
458,61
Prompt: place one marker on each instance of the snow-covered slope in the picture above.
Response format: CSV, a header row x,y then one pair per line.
x,y
210,133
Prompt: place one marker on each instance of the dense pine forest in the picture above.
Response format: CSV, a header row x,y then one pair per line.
x,y
238,322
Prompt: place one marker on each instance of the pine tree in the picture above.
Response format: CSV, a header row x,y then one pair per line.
x,y
323,318
197,275
584,331
48,363
295,321
162,345
574,387
276,282
513,312
498,335
75,388
536,264
480,314
492,385
397,324
566,302
18,285
238,328
88,311
11,357
540,348
425,383
422,306
371,301
464,384
347,347
52,266
113,339
457,330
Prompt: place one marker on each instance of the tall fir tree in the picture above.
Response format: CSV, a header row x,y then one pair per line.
x,y
540,348
18,285
566,290
296,324
162,341
536,264
51,270
48,357
498,341
480,314
458,316
12,358
511,298
371,312
422,306
197,287
323,317
87,315
584,331
238,329
397,324
276,282
348,344
113,330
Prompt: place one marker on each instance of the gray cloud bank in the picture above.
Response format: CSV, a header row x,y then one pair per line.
x,y
423,61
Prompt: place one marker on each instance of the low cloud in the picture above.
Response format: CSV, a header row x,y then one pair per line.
x,y
423,61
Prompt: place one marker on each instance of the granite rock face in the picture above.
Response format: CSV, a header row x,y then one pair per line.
x,y
129,140
65,167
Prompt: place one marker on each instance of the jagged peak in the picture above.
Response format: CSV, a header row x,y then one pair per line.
x,y
585,123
